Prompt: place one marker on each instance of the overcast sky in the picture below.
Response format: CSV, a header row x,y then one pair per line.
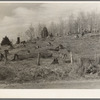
x,y
15,18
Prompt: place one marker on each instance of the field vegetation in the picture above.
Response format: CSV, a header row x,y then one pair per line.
x,y
59,52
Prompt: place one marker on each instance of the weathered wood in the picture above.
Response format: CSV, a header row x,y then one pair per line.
x,y
16,57
1,57
38,59
71,57
6,54
55,61
18,40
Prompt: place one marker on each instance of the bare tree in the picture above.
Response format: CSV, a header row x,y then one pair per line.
x,y
30,32
71,24
84,23
93,22
53,28
39,29
61,26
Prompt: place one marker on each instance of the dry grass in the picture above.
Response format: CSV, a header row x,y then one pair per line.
x,y
27,69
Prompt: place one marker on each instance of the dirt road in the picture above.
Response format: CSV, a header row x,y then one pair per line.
x,y
86,84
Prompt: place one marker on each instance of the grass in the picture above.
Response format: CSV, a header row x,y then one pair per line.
x,y
27,70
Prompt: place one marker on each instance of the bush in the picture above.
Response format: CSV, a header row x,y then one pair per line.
x,y
42,73
6,73
24,76
49,73
75,71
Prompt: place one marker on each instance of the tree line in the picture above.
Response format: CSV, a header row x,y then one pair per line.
x,y
81,23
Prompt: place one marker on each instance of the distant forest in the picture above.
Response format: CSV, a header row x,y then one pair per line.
x,y
81,23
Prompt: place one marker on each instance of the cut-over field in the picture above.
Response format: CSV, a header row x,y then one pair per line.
x,y
25,69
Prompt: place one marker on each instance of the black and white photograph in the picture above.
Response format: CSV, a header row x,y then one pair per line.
x,y
50,45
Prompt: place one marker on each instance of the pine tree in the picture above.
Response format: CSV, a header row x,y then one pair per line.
x,y
6,41
44,32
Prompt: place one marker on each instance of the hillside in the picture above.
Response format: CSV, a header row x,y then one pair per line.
x,y
85,51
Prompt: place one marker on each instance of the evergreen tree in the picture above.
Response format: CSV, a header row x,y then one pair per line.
x,y
44,32
6,41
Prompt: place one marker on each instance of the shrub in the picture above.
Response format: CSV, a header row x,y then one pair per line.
x,y
6,73
24,76
49,73
75,71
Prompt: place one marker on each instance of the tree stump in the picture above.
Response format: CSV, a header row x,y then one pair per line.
x,y
16,57
71,57
18,40
38,59
1,57
61,46
6,54
55,61
83,68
